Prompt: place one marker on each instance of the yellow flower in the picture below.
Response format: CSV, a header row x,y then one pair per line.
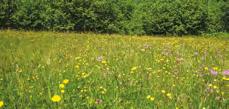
x,y
151,98
169,95
210,85
1,104
77,58
62,91
215,87
103,90
77,66
65,81
61,86
222,93
205,68
134,68
225,78
56,98
215,68
84,75
104,62
162,91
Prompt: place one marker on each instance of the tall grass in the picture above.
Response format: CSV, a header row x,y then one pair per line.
x,y
112,72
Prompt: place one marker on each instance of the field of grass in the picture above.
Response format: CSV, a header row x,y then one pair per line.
x,y
44,70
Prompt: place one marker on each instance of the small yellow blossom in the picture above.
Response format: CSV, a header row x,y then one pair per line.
x,y
56,98
151,98
162,91
215,68
1,103
61,86
209,85
215,87
104,62
77,58
134,68
77,66
222,93
65,81
205,68
225,78
148,68
169,95
62,91
84,75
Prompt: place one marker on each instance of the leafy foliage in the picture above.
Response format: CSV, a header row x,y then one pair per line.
x,y
177,17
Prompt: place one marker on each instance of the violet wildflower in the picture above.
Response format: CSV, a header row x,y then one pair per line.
x,y
213,72
226,72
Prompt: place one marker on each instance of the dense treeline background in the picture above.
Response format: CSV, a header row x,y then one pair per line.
x,y
177,17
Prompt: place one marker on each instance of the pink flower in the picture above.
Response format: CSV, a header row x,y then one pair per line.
x,y
213,72
226,72
98,101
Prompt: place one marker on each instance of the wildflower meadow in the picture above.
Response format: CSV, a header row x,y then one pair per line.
x,y
53,70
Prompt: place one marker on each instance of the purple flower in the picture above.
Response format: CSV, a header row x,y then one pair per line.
x,y
98,101
226,72
213,72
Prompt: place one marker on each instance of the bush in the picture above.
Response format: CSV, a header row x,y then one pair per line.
x,y
7,9
225,17
176,17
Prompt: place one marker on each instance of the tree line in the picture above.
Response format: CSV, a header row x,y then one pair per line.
x,y
150,17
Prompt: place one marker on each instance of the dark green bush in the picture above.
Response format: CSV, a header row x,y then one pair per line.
x,y
7,9
177,17
225,17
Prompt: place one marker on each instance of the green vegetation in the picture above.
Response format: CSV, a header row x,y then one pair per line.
x,y
170,17
80,71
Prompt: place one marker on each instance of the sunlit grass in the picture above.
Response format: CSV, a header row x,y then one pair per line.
x,y
69,70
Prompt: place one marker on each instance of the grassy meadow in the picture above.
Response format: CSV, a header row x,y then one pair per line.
x,y
48,70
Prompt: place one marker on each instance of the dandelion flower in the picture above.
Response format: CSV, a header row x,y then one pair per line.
x,y
224,78
61,86
56,98
210,85
104,62
65,81
77,58
1,104
151,98
62,91
134,68
169,95
215,68
77,66
215,87
162,91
